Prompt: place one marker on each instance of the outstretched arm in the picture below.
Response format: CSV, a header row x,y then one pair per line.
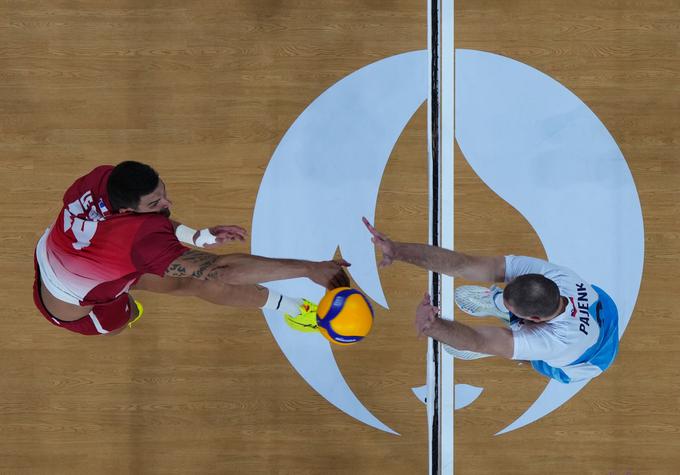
x,y
244,269
437,259
457,264
490,340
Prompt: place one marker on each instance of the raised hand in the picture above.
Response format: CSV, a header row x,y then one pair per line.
x,y
386,245
426,314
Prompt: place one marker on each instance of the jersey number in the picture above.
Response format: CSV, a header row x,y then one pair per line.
x,y
83,230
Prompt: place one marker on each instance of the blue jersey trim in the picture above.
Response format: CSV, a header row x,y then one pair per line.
x,y
602,354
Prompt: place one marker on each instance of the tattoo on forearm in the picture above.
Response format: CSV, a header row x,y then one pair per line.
x,y
197,256
198,273
176,270
199,260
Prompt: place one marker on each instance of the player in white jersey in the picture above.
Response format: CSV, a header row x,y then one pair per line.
x,y
566,327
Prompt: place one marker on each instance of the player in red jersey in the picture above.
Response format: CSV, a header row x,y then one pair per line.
x,y
114,234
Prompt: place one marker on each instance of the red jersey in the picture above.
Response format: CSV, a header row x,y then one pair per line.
x,y
90,256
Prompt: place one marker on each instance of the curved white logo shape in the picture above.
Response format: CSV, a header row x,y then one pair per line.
x,y
324,176
522,132
541,149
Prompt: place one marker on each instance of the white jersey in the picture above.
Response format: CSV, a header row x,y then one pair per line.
x,y
563,339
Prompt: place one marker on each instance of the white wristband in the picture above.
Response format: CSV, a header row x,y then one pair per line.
x,y
205,237
185,234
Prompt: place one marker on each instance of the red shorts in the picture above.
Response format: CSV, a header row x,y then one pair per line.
x,y
101,319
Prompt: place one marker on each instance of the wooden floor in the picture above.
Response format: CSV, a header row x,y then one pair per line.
x,y
204,91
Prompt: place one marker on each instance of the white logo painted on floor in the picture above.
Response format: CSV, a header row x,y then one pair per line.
x,y
522,132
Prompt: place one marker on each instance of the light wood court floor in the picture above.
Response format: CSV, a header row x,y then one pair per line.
x,y
204,91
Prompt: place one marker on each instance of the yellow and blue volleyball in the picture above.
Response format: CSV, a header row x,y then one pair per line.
x,y
344,316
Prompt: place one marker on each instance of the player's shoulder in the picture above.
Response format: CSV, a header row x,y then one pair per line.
x,y
154,222
96,174
91,180
102,169
518,265
148,221
139,227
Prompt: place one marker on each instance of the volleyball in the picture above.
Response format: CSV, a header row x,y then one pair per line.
x,y
344,316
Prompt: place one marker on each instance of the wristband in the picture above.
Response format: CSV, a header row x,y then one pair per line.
x,y
205,237
185,234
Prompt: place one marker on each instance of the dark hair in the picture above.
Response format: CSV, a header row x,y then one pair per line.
x,y
533,295
128,182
